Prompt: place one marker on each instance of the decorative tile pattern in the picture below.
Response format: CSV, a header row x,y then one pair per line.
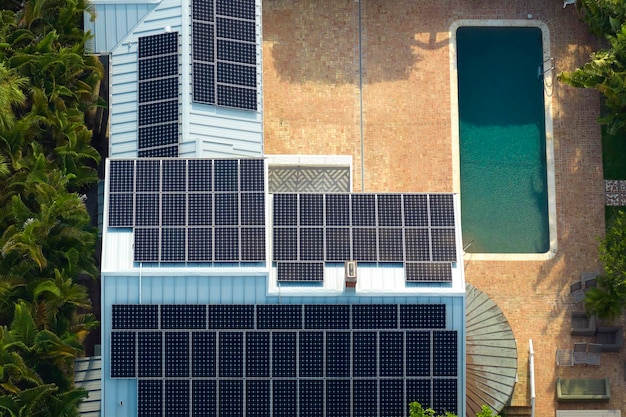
x,y
615,192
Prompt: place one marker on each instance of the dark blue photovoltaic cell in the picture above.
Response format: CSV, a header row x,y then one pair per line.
x,y
204,83
243,9
203,354
176,398
236,51
418,390
285,398
338,354
227,209
391,397
160,112
389,210
236,29
445,395
173,245
428,272
237,97
226,175
123,354
258,398
416,210
337,209
365,397
226,244
285,244
258,354
326,316
285,209
441,210
149,354
231,317
301,271
121,210
252,175
135,316
417,244
146,245
148,175
280,316
422,316
337,398
283,354
311,209
390,246
177,354
200,209
312,244
445,353
174,175
444,245
200,175
122,175
203,398
364,246
253,244
253,209
231,398
418,354
203,10
161,44
236,74
158,135
161,66
149,398
363,210
364,357
188,316
374,316
159,89
391,353
338,244
231,354
311,360
203,40
311,398
147,210
200,245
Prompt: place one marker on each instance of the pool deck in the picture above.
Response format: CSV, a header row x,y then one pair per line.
x,y
402,142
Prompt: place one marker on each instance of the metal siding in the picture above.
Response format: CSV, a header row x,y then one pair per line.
x,y
113,23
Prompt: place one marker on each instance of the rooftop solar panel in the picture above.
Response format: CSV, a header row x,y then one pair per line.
x,y
203,350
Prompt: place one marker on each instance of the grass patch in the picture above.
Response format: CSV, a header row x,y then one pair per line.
x,y
614,155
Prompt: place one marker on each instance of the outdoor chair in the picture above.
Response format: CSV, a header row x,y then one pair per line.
x,y
580,353
593,354
577,291
611,338
583,324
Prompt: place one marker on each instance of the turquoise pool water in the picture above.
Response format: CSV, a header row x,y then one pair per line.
x,y
502,140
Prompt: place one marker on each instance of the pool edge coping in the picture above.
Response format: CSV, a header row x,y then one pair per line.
x,y
549,132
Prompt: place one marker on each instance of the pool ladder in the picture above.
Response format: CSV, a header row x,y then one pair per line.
x,y
541,69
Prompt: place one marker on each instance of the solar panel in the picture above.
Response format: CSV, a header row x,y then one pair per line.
x,y
428,272
252,175
445,353
391,353
174,175
227,209
174,209
204,83
364,345
177,398
418,362
441,210
422,316
311,244
231,398
311,360
258,398
417,244
161,44
236,51
285,394
158,89
389,210
236,29
236,74
326,316
390,245
147,211
231,317
338,398
311,209
121,210
338,210
203,41
338,354
135,316
122,176
123,354
200,175
445,395
148,176
416,210
226,244
374,316
203,397
203,10
419,390
203,354
176,354
230,354
311,398
285,211
243,9
284,354
226,175
258,354
301,271
365,397
147,245
364,244
149,354
161,66
280,316
156,136
200,209
149,397
241,98
338,244
200,244
444,245
392,397
253,244
161,112
188,316
363,210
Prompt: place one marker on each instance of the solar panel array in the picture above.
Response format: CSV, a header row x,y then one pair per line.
x,y
417,230
287,360
224,53
190,210
158,95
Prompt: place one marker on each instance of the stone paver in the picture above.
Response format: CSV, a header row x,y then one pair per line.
x,y
401,141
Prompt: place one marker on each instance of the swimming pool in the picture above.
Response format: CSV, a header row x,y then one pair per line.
x,y
505,172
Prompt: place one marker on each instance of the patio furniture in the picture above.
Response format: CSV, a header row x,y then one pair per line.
x,y
580,353
577,291
610,337
583,389
582,324
565,357
588,413
566,2
593,354
589,280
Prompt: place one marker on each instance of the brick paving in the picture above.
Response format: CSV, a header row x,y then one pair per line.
x,y
313,106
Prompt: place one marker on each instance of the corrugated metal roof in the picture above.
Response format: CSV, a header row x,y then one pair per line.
x,y
87,375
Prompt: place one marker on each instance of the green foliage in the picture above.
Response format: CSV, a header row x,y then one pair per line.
x,y
416,410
